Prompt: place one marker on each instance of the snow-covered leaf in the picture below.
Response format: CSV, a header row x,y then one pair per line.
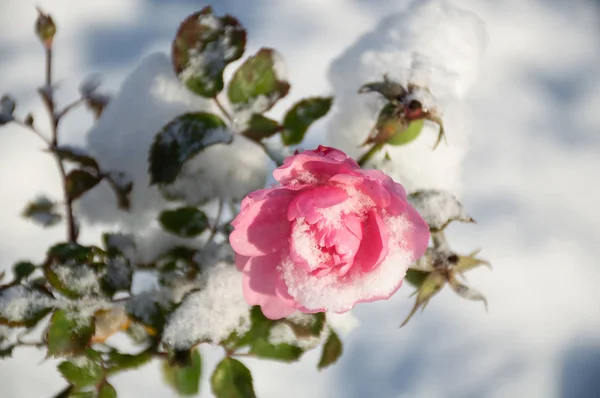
x,y
332,350
184,221
182,139
73,279
185,380
69,333
258,83
23,306
122,185
231,379
118,275
76,155
42,211
81,371
438,208
72,253
7,107
149,308
388,88
79,182
260,127
203,46
299,118
119,244
308,325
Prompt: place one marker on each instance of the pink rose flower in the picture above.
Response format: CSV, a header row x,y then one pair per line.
x,y
330,236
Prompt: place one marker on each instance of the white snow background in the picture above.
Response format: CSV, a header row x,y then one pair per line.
x,y
529,178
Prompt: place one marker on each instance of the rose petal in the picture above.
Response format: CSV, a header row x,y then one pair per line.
x,y
374,245
308,203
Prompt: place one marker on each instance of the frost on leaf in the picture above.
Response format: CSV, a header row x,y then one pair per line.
x,y
203,46
182,139
81,371
259,83
210,314
23,306
42,211
438,208
7,107
72,279
69,333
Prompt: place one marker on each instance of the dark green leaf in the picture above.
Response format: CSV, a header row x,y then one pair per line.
x,y
184,221
184,380
146,308
231,379
82,394
23,306
7,107
107,391
6,352
203,46
76,155
307,329
79,182
23,269
283,352
301,116
81,371
118,275
182,139
258,83
260,127
332,350
42,211
71,253
118,362
122,185
69,333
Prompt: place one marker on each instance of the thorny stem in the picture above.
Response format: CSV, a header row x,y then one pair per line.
x,y
48,97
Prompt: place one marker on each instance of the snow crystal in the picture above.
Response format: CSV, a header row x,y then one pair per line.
x,y
206,64
210,21
212,313
344,323
357,203
78,278
125,243
306,245
433,44
19,302
144,305
281,333
438,208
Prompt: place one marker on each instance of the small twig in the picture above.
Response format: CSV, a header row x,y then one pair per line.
x,y
33,130
215,227
69,107
47,95
222,108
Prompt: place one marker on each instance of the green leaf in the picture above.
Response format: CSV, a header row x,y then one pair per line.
x,y
107,391
282,352
118,362
42,211
260,127
301,116
432,284
182,139
81,371
68,333
23,269
72,280
186,222
415,278
79,182
332,350
184,380
469,262
258,83
76,155
203,46
23,305
231,379
73,253
80,394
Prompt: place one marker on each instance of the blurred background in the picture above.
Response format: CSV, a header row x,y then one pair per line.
x,y
530,178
